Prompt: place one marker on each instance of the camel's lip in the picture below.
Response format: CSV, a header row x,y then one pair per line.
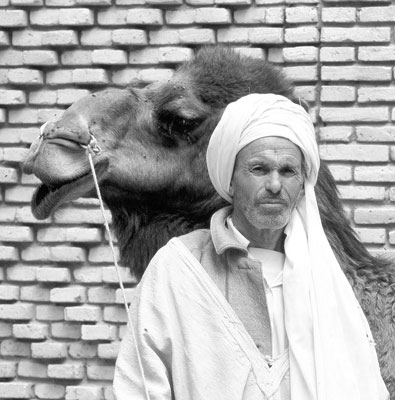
x,y
46,199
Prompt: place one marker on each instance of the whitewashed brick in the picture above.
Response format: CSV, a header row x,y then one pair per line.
x,y
307,73
377,14
49,350
212,15
129,37
301,34
66,371
108,351
164,37
77,57
377,93
144,16
88,275
300,54
48,274
13,18
348,114
376,53
307,93
338,93
115,314
8,175
9,292
101,295
337,54
32,369
13,233
27,38
250,52
301,14
100,372
96,37
66,330
49,391
109,56
196,36
18,312
49,312
83,392
34,293
11,57
98,332
392,237
354,152
356,73
375,174
253,15
82,313
16,390
60,38
25,76
367,193
375,215
21,194
69,96
339,14
20,273
89,76
7,369
355,34
32,331
375,134
371,235
68,295
336,133
13,348
12,97
82,350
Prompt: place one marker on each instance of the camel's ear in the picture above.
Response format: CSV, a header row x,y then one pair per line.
x,y
231,190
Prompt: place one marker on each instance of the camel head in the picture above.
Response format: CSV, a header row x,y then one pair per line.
x,y
151,167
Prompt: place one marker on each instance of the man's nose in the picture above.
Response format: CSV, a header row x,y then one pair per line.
x,y
273,183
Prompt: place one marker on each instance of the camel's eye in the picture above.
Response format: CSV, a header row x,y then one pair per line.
x,y
175,128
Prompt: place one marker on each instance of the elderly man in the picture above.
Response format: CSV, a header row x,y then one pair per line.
x,y
257,307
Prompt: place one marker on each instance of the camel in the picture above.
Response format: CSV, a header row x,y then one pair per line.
x,y
154,180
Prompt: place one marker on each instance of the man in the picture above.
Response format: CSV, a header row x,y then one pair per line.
x,y
257,307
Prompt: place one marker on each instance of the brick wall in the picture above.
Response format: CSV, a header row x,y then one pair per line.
x,y
61,316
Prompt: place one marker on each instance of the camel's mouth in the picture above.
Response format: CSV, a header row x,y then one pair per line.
x,y
47,198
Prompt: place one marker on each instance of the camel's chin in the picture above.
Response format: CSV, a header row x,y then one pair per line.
x,y
47,199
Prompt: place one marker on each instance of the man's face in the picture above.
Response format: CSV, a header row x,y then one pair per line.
x,y
266,185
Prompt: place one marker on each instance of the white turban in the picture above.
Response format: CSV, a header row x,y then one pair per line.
x,y
331,350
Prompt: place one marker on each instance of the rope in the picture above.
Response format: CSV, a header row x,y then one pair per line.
x,y
93,148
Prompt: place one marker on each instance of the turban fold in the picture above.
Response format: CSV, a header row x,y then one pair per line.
x,y
331,349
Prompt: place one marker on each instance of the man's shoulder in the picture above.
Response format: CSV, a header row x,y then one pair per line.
x,y
197,241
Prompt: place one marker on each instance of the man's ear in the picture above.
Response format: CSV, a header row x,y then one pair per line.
x,y
231,190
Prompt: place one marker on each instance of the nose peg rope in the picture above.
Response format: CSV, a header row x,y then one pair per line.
x,y
93,148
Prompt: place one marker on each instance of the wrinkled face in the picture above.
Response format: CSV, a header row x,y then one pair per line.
x,y
266,185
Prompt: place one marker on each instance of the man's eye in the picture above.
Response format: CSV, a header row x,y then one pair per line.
x,y
288,171
259,169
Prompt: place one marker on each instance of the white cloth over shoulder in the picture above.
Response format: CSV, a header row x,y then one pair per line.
x,y
331,350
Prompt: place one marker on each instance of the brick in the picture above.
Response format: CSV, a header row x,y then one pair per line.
x,y
30,3
48,274
181,17
144,16
341,173
377,14
7,369
88,76
16,390
34,293
47,312
335,133
13,348
307,73
20,135
298,15
102,254
108,393
234,2
375,174
20,273
88,275
42,97
109,56
31,369
26,38
100,372
370,94
108,351
83,392
253,15
49,350
339,14
13,18
164,37
301,34
376,53
21,194
354,152
375,134
213,15
115,314
307,93
96,37
69,96
355,35
338,93
375,215
11,57
9,292
4,39
196,36
59,77
77,57
69,17
8,175
49,391
14,154
101,295
82,313
82,350
150,75
40,57
129,37
367,193
250,52
392,237
300,54
371,235
56,253
165,2
93,2
66,371
112,17
61,330
129,294
25,76
5,330
347,114
17,312
60,38
98,332
68,295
